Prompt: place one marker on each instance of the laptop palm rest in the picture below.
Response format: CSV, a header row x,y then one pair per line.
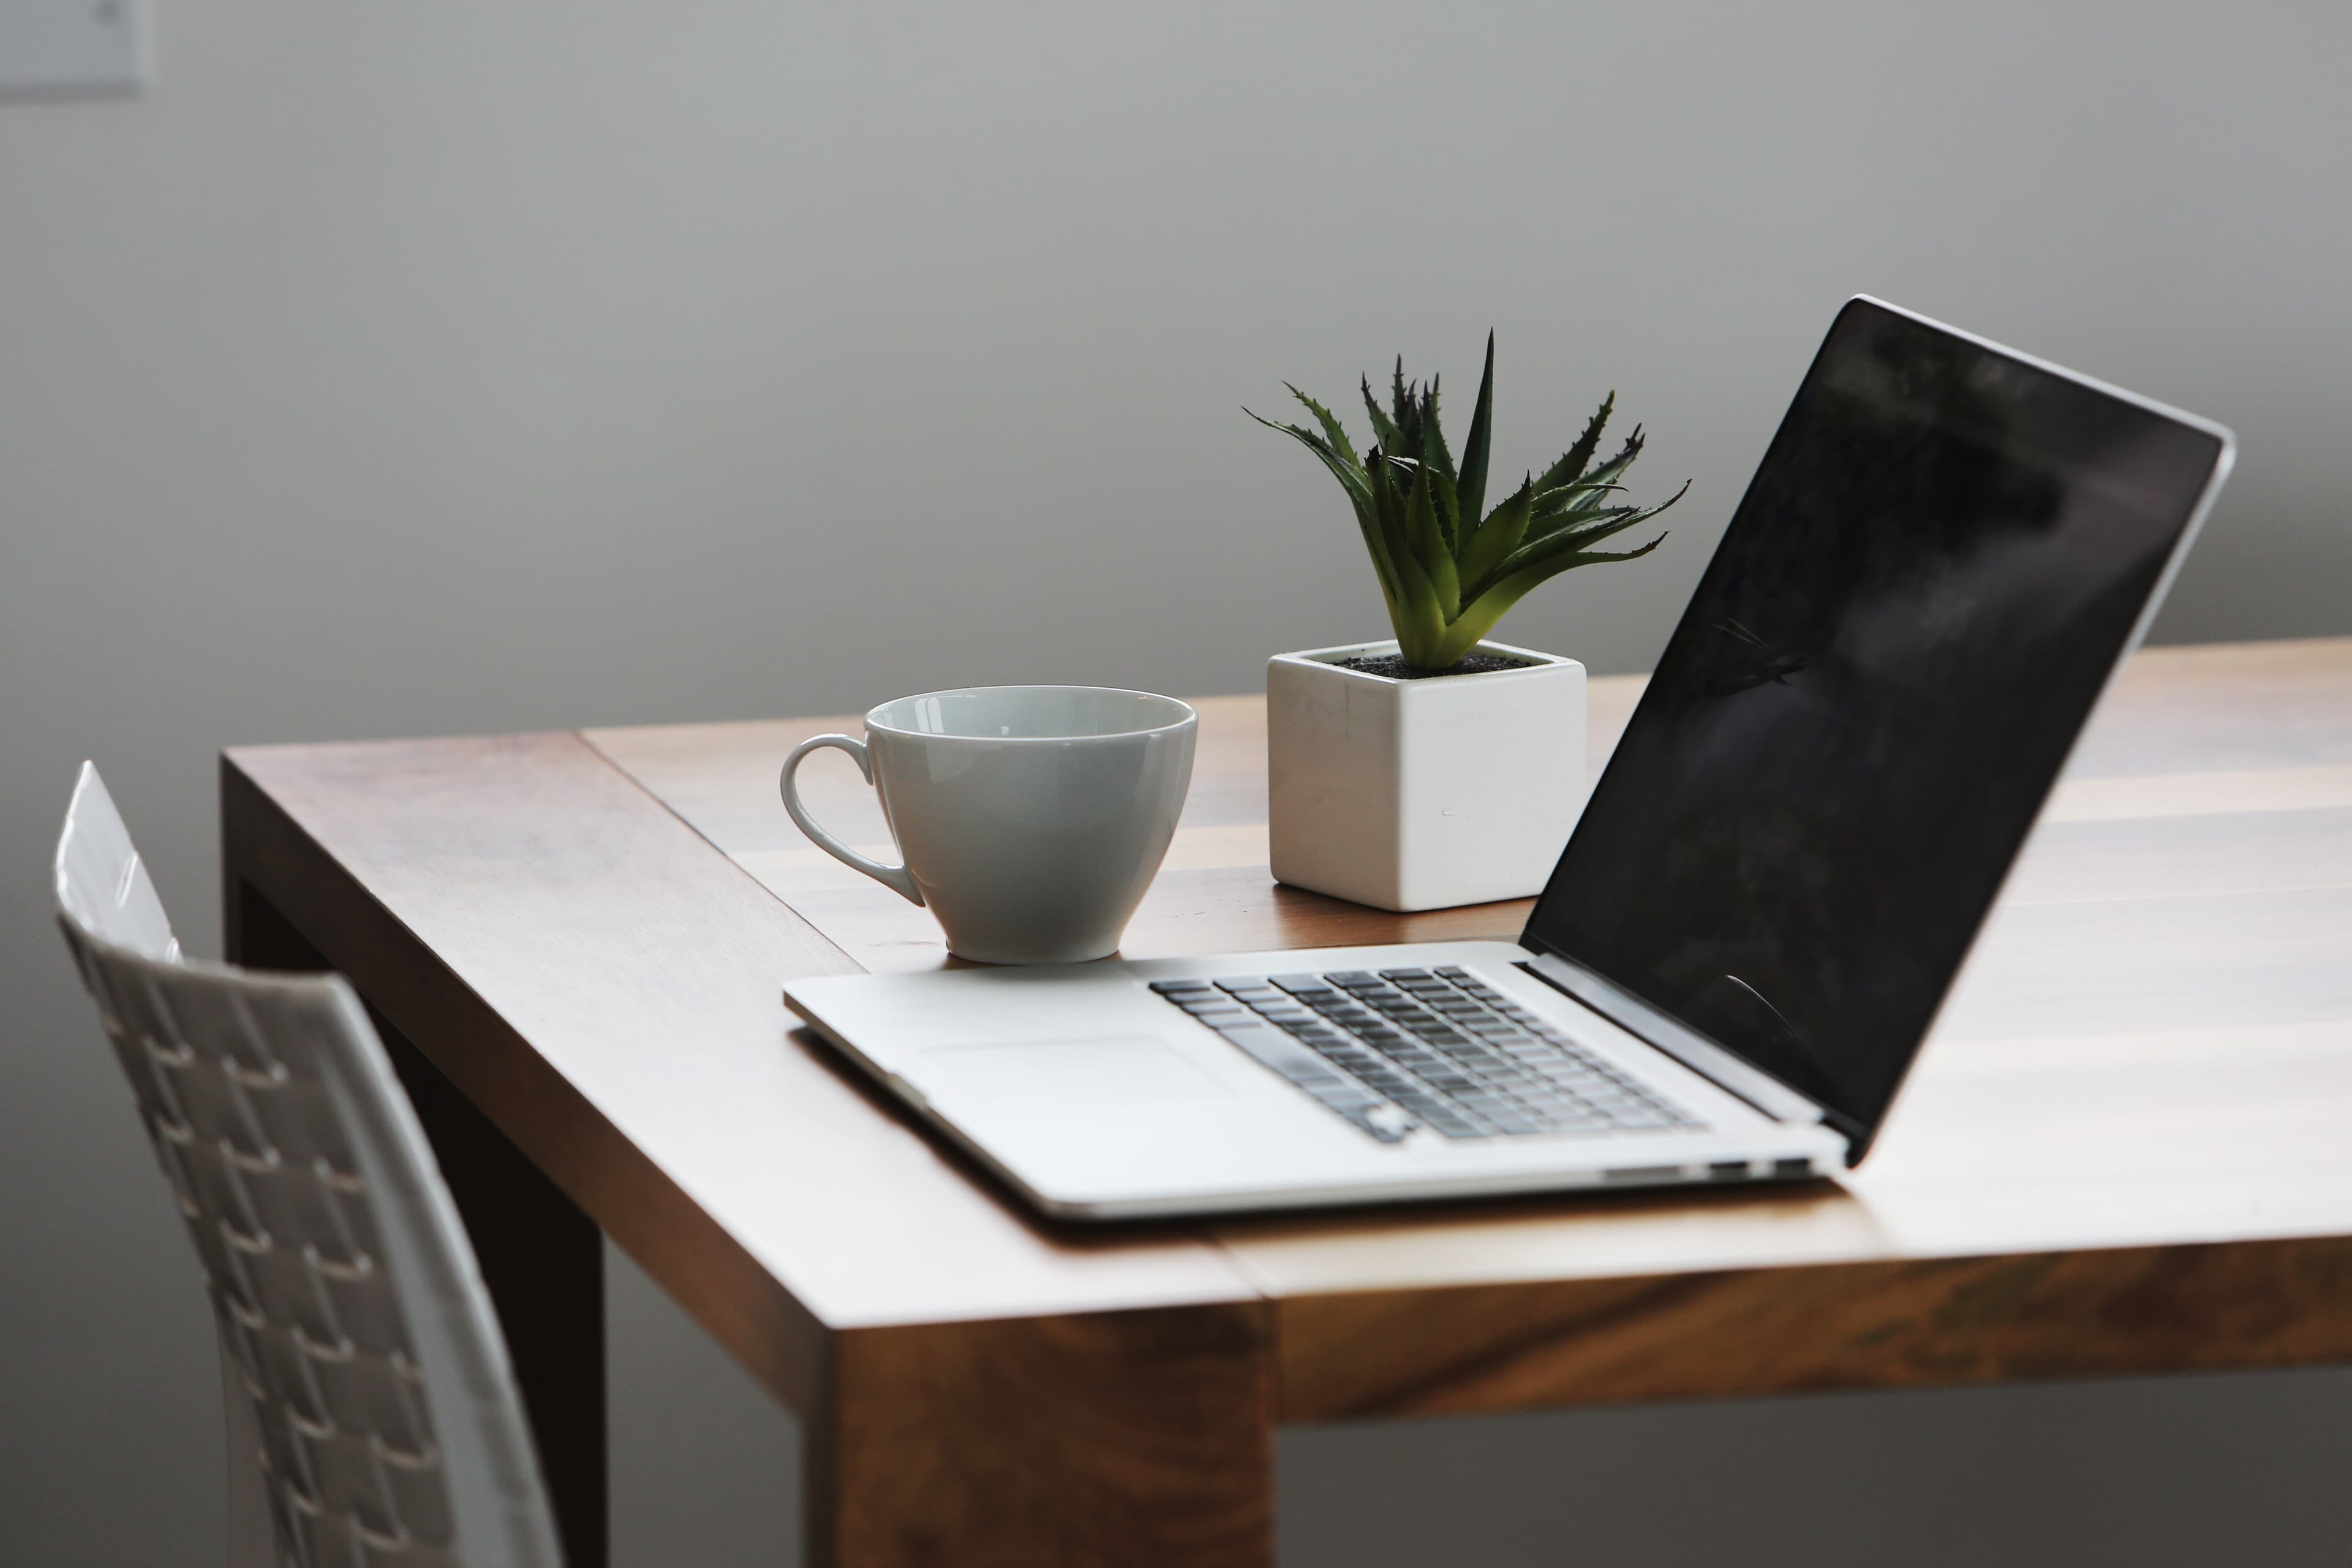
x,y
1053,1077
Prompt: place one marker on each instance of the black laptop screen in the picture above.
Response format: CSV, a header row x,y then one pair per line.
x,y
1877,682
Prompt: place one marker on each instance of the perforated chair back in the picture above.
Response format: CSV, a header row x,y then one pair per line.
x,y
385,1425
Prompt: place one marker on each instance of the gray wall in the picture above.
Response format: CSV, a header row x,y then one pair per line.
x,y
423,367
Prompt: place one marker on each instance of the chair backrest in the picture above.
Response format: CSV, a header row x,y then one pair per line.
x,y
347,1299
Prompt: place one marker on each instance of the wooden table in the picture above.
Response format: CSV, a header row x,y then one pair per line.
x,y
2126,1149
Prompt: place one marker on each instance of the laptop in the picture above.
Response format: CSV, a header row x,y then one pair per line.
x,y
1946,552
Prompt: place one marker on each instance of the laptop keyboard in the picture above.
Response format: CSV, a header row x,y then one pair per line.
x,y
1432,1048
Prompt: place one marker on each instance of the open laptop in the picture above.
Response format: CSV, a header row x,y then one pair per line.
x,y
1947,550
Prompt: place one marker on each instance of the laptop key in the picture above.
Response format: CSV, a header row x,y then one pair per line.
x,y
1275,1049
1342,1096
1389,1128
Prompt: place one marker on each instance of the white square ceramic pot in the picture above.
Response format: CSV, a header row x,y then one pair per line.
x,y
1422,794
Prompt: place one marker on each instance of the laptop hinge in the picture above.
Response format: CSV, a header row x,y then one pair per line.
x,y
1686,1045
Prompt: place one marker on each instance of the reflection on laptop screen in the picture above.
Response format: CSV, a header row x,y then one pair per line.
x,y
1874,687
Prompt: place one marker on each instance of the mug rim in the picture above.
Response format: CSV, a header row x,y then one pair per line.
x,y
1187,714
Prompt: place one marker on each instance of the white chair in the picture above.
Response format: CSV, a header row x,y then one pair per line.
x,y
374,1419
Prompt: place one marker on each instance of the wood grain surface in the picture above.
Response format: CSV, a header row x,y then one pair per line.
x,y
604,991
2138,1096
1938,1321
2149,1054
608,990
2122,1152
2123,1148
1130,1437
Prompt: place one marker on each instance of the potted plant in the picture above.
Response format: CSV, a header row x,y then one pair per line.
x,y
1440,768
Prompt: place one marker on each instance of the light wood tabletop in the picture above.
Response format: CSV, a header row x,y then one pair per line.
x,y
2123,1148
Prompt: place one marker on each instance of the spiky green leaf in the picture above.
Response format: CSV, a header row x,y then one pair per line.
x,y
1614,469
1429,545
1415,613
1478,617
1571,538
1449,509
1571,522
1385,430
1438,461
1353,479
1471,487
1497,536
1388,514
1546,557
1349,473
1571,465
1568,498
1333,431
1433,449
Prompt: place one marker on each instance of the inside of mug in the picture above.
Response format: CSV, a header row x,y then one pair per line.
x,y
1029,712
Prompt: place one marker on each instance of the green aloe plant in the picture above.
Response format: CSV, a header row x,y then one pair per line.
x,y
1449,569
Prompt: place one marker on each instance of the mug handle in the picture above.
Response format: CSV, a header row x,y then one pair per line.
x,y
897,879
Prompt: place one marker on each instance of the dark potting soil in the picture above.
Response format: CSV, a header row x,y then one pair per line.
x,y
1396,668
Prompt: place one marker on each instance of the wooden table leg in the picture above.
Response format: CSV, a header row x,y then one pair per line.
x,y
1130,1438
542,1257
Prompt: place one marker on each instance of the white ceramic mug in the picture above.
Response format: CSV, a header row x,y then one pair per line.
x,y
1030,819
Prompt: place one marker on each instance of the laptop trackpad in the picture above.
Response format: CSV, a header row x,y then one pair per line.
x,y
1056,1075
